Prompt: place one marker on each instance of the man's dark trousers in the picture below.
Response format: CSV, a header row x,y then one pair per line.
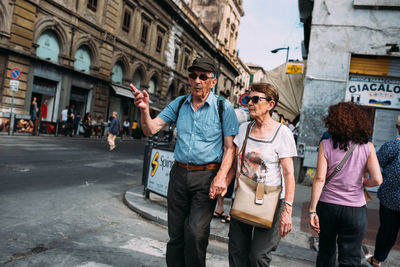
x,y
190,212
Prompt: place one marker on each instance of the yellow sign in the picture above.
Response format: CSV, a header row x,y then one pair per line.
x,y
154,164
294,68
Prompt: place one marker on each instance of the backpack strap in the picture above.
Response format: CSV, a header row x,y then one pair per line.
x,y
220,108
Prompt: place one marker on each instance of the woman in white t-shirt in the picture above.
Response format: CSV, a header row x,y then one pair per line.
x,y
269,158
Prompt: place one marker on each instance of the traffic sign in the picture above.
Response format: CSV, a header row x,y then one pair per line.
x,y
241,100
15,74
14,85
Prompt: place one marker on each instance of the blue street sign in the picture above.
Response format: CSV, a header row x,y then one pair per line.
x,y
15,74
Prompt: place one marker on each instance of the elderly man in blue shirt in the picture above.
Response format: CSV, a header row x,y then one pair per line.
x,y
203,158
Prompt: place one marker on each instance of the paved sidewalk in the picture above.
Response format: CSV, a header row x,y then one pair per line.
x,y
297,245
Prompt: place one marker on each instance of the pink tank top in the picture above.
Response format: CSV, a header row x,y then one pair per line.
x,y
346,187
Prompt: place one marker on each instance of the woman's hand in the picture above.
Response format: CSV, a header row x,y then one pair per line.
x,y
314,222
285,221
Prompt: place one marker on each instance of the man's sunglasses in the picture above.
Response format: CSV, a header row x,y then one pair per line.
x,y
255,99
202,76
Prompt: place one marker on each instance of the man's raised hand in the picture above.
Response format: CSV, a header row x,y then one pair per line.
x,y
141,98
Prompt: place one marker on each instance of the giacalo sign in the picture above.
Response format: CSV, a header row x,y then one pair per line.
x,y
161,162
373,91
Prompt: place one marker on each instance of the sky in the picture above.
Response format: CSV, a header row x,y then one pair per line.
x,y
266,25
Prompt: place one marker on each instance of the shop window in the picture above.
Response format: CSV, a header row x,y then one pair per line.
x,y
49,47
127,21
153,85
92,5
117,73
82,59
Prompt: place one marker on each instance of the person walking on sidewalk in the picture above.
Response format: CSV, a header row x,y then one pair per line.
x,y
113,130
204,153
268,159
389,196
338,211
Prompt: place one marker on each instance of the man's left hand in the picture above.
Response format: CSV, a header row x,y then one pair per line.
x,y
218,187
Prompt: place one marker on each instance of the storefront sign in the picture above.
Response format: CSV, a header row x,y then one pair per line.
x,y
161,162
294,68
14,85
373,91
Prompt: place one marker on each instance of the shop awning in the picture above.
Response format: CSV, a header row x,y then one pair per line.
x,y
122,90
290,87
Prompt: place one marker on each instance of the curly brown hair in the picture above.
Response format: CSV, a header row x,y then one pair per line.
x,y
269,90
346,122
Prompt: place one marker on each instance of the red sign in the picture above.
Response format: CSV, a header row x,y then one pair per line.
x,y
15,74
241,100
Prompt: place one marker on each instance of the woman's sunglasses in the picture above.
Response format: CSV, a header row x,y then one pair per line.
x,y
202,76
255,99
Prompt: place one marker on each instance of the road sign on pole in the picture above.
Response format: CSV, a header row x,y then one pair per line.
x,y
15,74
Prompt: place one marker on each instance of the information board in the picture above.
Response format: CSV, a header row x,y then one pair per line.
x,y
161,162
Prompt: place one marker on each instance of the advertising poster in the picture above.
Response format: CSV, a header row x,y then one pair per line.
x,y
373,91
161,162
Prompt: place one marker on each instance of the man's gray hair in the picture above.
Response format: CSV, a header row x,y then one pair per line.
x,y
116,113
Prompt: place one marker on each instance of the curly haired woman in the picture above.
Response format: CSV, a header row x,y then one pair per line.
x,y
337,209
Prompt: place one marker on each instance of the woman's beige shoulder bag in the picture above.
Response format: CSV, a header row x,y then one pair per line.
x,y
255,203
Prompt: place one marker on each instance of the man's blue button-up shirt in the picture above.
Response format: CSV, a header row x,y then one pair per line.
x,y
199,139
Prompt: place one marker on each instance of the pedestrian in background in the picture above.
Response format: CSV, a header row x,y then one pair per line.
x,y
125,128
270,148
113,130
389,196
204,153
338,211
77,120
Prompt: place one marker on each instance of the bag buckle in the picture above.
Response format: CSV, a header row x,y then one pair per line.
x,y
259,194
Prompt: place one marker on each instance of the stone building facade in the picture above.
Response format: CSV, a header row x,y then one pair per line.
x,y
353,55
87,52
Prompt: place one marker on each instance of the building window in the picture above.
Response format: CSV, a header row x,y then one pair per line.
x,y
145,29
92,5
49,47
83,59
117,73
159,43
176,56
127,21
185,63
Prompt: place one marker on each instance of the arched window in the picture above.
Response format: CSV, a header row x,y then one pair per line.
x,y
137,79
49,47
83,59
153,85
117,72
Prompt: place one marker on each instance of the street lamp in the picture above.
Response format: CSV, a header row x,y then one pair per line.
x,y
282,48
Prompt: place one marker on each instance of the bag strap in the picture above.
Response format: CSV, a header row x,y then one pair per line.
x,y
340,166
244,144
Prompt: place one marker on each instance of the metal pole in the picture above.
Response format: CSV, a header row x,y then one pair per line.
x,y
12,121
287,54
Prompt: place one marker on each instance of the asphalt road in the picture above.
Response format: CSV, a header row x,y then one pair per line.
x,y
61,204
